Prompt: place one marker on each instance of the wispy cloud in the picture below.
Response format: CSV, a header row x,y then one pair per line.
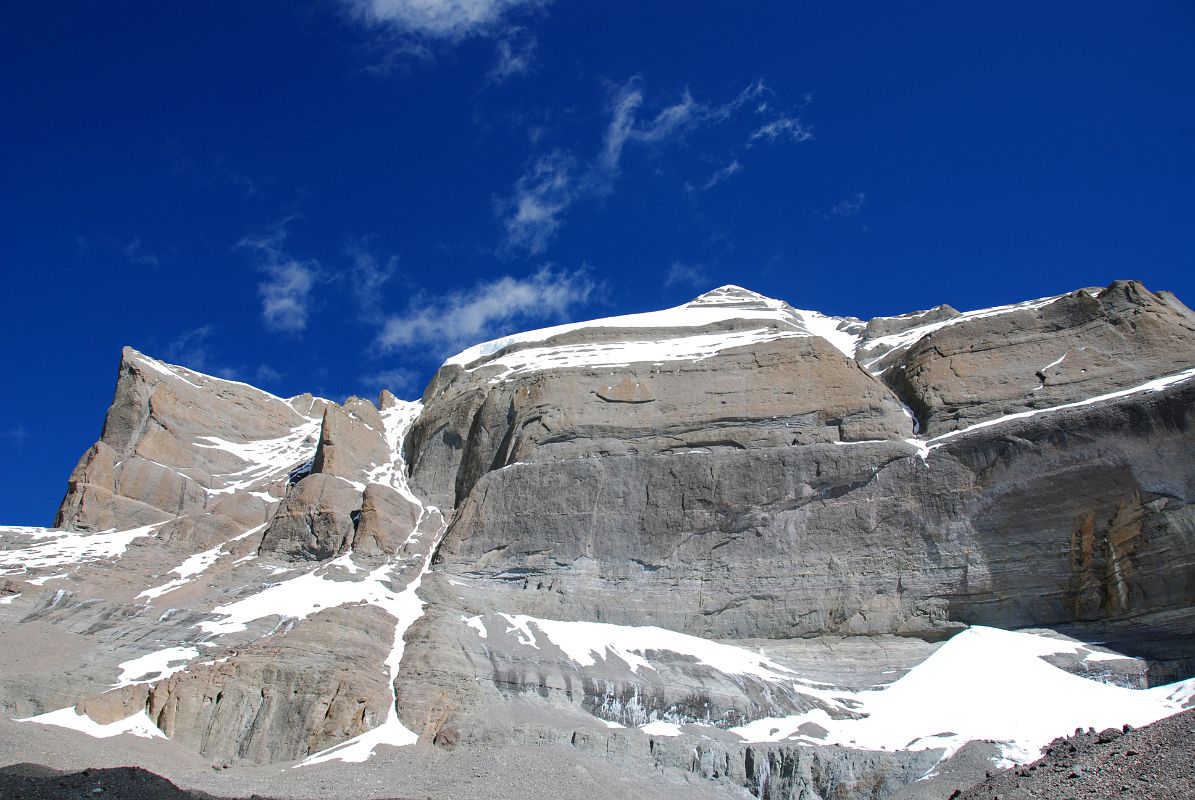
x,y
686,276
286,291
850,206
465,317
552,183
263,375
16,434
135,252
369,277
515,55
190,348
783,128
532,214
722,174
400,381
441,19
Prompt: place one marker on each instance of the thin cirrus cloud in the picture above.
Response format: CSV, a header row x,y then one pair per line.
x,y
532,215
515,55
850,206
784,128
685,276
442,19
552,183
490,308
722,174
286,290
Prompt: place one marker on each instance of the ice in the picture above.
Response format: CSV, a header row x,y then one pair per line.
x,y
157,666
984,683
138,724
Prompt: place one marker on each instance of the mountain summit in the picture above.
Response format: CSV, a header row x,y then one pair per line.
x,y
729,545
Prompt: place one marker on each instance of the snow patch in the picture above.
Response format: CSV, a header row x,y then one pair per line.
x,y
583,641
138,724
984,683
65,548
158,666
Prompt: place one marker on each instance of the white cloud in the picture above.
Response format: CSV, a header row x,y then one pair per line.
x,y
720,175
784,128
532,215
850,206
266,374
625,127
685,276
17,433
286,291
399,381
462,318
441,19
189,348
135,251
515,55
553,183
369,276
286,296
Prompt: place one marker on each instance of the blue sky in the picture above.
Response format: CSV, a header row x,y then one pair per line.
x,y
333,196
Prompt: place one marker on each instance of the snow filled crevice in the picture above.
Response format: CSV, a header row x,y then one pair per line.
x,y
266,459
406,607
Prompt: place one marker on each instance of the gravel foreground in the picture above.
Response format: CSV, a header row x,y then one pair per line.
x,y
1155,762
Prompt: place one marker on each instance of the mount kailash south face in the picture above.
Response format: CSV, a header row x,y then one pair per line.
x,y
730,547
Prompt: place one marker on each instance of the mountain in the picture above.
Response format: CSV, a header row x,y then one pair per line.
x,y
730,546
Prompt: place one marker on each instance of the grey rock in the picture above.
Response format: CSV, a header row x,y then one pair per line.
x,y
316,521
1077,347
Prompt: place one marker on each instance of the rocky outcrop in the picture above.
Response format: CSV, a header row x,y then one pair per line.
x,y
316,521
1079,346
160,453
787,388
279,700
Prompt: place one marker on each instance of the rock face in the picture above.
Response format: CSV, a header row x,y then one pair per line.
x,y
645,537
